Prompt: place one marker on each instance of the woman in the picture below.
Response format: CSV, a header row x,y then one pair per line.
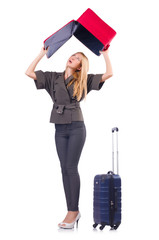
x,y
67,89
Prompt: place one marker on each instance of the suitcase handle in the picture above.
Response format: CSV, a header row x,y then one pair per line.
x,y
115,129
116,198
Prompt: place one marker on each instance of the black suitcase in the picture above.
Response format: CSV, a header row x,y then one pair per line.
x,y
107,195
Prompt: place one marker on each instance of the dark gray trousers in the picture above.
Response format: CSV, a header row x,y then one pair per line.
x,y
70,139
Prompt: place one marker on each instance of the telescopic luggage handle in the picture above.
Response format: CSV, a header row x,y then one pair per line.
x,y
115,129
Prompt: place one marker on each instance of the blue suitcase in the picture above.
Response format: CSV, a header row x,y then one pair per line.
x,y
107,195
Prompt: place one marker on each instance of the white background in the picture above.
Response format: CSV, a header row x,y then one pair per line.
x,y
32,200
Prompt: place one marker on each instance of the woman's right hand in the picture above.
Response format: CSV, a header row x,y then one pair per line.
x,y
43,51
30,71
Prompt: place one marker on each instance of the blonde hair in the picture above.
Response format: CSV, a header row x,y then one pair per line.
x,y
80,79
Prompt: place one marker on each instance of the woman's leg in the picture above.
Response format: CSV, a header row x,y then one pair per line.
x,y
61,140
70,169
69,143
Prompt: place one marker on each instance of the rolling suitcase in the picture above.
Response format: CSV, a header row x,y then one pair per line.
x,y
107,195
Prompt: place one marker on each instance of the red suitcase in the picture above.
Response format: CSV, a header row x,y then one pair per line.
x,y
89,29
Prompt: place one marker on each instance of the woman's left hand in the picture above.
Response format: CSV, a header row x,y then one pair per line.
x,y
104,52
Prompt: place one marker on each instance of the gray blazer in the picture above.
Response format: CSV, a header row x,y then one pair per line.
x,y
65,108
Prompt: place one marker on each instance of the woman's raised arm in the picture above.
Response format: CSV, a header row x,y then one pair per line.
x,y
30,71
109,71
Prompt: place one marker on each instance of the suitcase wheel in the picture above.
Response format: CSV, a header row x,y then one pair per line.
x,y
101,227
95,225
114,227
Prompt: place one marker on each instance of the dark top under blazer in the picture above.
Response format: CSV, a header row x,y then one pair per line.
x,y
55,84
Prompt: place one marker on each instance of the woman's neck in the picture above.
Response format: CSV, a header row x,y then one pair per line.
x,y
68,72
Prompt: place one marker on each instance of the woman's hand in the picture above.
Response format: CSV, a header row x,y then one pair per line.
x,y
30,71
43,51
104,52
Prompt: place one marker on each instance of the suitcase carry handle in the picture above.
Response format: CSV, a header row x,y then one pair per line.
x,y
116,199
110,173
115,129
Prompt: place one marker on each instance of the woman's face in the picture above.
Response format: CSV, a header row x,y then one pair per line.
x,y
75,61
